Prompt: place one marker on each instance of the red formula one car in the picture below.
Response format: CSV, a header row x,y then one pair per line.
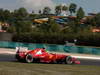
x,y
41,55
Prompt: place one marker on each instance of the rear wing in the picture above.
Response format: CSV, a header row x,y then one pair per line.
x,y
21,49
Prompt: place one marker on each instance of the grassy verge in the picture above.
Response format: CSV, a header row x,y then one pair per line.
x,y
17,68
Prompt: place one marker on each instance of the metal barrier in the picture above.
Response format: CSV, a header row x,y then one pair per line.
x,y
52,47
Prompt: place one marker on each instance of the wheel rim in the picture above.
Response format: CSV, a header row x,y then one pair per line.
x,y
29,58
69,60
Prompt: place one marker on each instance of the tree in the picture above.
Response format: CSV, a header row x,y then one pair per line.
x,y
58,9
96,20
2,15
64,8
7,15
44,27
11,29
72,8
33,12
40,12
54,27
46,10
23,26
67,29
21,13
80,13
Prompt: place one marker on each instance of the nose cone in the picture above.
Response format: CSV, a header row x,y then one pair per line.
x,y
77,62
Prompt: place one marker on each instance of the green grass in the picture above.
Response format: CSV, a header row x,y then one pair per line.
x,y
17,68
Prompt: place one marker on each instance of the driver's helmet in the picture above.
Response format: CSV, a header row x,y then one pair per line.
x,y
45,49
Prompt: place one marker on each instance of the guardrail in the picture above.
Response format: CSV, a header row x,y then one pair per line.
x,y
52,47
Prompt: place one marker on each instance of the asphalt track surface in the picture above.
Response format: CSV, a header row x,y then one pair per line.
x,y
11,58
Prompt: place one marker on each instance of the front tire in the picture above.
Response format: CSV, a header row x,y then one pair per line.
x,y
29,58
68,60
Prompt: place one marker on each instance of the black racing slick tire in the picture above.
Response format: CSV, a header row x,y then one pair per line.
x,y
68,60
18,57
29,58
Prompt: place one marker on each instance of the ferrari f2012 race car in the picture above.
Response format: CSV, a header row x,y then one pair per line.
x,y
41,55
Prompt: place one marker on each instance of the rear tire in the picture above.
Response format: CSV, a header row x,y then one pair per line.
x,y
68,60
18,57
29,58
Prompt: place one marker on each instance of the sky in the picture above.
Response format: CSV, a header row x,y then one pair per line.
x,y
88,5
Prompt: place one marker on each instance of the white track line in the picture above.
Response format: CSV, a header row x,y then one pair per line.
x,y
82,56
7,52
11,53
88,57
